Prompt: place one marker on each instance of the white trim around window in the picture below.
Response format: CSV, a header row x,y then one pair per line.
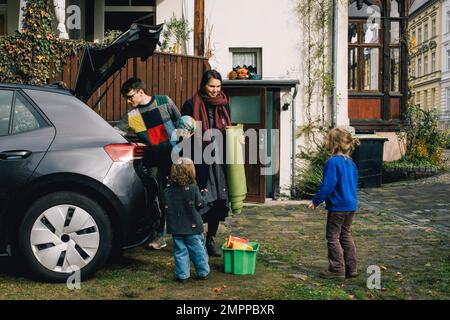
x,y
256,51
448,20
448,59
129,9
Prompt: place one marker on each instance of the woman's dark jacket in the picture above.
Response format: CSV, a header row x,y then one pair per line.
x,y
211,176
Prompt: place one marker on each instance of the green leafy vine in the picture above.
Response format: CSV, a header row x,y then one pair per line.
x,y
35,54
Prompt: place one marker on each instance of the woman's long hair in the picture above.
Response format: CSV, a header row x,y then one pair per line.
x,y
210,74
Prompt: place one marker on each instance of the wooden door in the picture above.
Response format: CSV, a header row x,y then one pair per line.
x,y
248,106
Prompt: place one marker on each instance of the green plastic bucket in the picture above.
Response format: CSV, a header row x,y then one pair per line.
x,y
240,262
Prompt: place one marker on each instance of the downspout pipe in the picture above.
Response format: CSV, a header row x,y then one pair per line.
x,y
334,64
294,129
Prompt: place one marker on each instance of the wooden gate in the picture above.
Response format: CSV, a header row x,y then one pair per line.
x,y
177,76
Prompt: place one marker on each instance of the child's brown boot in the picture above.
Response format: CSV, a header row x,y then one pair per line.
x,y
332,275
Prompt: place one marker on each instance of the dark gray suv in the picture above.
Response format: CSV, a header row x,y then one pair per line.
x,y
71,189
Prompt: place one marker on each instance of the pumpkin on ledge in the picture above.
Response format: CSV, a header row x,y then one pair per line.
x,y
242,72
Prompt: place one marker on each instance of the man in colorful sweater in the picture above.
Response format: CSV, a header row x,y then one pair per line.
x,y
153,119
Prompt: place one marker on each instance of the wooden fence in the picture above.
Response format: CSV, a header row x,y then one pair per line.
x,y
177,76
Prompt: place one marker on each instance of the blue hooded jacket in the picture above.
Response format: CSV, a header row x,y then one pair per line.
x,y
339,186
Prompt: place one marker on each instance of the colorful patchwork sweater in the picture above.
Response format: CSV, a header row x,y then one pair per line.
x,y
153,124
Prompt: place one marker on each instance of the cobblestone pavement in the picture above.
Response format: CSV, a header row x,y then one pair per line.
x,y
424,202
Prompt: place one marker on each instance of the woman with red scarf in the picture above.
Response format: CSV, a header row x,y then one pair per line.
x,y
210,106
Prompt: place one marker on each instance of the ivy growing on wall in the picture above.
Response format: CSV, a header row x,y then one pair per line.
x,y
315,17
31,55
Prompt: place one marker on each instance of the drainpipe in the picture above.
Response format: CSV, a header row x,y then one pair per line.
x,y
22,5
334,65
293,193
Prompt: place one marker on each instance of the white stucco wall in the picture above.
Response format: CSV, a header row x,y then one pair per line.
x,y
393,148
273,27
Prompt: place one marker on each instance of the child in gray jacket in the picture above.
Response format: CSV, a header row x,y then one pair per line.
x,y
184,222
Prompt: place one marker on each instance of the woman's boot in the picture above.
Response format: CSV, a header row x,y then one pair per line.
x,y
211,248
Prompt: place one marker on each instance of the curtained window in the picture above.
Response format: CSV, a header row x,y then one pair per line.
x,y
250,57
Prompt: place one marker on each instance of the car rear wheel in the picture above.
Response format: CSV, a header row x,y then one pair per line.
x,y
64,232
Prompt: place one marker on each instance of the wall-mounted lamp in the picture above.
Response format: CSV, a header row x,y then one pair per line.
x,y
286,101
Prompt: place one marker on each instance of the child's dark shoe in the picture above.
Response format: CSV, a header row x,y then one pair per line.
x,y
352,274
332,275
202,278
180,280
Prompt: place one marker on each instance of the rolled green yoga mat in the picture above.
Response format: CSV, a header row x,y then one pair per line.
x,y
237,183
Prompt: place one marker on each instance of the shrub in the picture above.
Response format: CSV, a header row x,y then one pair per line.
x,y
309,177
424,140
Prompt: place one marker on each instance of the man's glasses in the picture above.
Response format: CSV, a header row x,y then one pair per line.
x,y
129,97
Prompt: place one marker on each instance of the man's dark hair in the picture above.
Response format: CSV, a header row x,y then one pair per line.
x,y
132,84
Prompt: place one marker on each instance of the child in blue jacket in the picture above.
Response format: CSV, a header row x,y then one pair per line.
x,y
339,191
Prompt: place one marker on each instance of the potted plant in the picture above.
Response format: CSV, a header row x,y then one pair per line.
x,y
175,35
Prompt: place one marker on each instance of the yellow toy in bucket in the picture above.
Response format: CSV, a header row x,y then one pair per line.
x,y
242,246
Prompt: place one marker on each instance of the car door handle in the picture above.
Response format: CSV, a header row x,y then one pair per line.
x,y
14,155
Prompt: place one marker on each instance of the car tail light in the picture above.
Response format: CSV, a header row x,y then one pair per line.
x,y
124,152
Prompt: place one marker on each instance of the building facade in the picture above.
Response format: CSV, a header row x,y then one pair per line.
x,y
425,27
445,62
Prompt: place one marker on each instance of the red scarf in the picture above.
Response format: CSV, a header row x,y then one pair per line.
x,y
221,117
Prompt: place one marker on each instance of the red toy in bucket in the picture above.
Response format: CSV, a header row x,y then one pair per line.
x,y
237,243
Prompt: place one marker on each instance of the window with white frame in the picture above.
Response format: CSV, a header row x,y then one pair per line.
x,y
130,3
120,14
425,65
433,97
433,28
448,59
433,62
248,57
425,32
3,10
419,35
447,100
419,67
448,20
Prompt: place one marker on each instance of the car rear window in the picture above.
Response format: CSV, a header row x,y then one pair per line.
x,y
25,116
